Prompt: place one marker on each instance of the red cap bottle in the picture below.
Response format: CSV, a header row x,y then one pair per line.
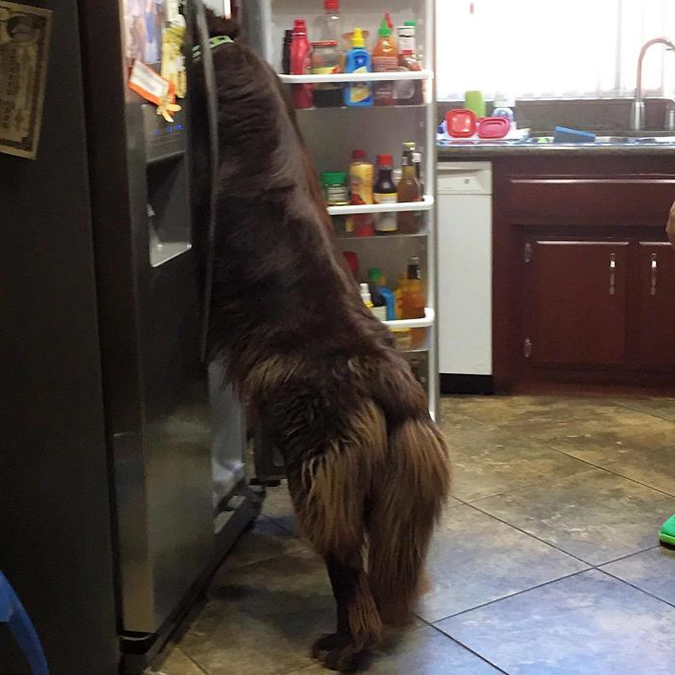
x,y
302,93
331,5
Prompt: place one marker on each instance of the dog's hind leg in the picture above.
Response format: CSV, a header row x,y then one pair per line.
x,y
358,622
329,493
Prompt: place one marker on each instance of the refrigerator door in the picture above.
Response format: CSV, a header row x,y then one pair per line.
x,y
55,543
155,385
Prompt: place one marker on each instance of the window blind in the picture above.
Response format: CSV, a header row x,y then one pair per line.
x,y
549,49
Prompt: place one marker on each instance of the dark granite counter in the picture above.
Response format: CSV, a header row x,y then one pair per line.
x,y
489,151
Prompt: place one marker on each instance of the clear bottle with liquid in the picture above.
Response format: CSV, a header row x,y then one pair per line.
x,y
331,26
409,190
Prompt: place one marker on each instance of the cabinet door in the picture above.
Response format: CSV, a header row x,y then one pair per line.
x,y
656,321
575,303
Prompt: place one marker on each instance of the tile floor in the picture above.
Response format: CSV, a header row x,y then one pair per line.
x,y
545,562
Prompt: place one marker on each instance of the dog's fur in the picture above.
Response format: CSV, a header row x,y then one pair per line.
x,y
367,468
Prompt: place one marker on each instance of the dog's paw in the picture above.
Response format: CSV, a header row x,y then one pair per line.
x,y
343,659
327,643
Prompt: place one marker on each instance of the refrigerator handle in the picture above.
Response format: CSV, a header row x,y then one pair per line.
x,y
212,115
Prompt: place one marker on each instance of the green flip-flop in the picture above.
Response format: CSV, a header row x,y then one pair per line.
x,y
667,533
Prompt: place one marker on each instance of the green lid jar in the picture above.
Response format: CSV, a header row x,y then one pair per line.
x,y
335,187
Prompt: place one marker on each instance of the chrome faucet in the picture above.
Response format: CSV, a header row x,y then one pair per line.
x,y
637,115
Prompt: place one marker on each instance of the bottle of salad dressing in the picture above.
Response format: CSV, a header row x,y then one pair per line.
x,y
409,190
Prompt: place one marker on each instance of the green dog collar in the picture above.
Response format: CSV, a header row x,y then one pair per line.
x,y
213,43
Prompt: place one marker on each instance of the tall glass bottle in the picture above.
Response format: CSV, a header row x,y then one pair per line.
x,y
409,190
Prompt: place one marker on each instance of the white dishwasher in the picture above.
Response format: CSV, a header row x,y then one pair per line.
x,y
465,268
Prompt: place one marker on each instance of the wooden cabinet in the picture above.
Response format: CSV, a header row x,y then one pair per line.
x,y
655,319
575,302
584,280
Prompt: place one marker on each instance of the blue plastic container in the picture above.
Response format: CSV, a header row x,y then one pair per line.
x,y
566,135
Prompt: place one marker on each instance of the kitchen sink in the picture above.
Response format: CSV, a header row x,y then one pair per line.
x,y
615,138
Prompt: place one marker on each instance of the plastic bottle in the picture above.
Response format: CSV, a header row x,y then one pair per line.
x,y
325,60
365,296
398,295
381,295
331,26
504,108
384,59
408,92
409,190
361,192
378,304
385,192
358,94
352,261
300,64
286,52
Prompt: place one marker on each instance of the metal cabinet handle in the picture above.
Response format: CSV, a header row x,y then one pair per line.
x,y
655,269
612,274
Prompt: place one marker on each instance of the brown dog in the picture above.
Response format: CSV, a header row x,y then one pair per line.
x,y
367,468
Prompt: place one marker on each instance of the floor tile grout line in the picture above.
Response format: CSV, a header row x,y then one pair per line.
x,y
628,555
191,660
274,520
609,469
533,536
556,547
461,644
637,482
579,459
546,442
637,588
650,414
508,597
265,559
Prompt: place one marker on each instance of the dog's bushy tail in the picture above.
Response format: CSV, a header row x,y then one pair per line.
x,y
408,498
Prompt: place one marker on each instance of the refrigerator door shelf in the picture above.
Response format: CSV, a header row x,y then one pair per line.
x,y
425,205
426,322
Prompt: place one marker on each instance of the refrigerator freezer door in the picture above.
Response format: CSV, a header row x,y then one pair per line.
x,y
155,385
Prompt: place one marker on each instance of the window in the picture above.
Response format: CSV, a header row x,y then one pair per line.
x,y
552,49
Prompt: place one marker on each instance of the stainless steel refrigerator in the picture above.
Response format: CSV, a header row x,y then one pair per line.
x,y
106,311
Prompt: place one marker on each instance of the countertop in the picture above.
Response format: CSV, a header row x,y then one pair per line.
x,y
488,151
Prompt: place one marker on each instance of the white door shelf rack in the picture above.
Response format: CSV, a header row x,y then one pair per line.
x,y
427,204
427,322
332,133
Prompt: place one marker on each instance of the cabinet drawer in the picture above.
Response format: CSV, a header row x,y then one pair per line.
x,y
588,201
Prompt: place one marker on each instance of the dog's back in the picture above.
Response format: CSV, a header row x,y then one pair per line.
x,y
364,459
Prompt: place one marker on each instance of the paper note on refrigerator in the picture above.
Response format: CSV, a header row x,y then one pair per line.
x,y
24,52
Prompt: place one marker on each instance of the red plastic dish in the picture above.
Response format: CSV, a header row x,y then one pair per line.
x,y
493,127
461,123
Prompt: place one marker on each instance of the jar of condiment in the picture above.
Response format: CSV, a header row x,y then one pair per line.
x,y
325,60
335,187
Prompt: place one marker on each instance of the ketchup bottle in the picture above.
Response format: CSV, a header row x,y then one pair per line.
x,y
302,93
